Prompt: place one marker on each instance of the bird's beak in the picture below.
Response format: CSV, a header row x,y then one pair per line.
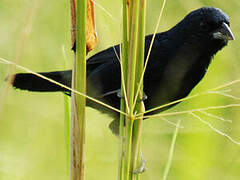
x,y
224,33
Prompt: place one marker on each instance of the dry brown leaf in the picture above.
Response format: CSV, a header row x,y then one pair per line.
x,y
92,39
91,36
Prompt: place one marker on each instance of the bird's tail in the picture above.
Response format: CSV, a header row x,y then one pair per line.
x,y
31,82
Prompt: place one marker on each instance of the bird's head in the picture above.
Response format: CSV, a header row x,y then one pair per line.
x,y
208,26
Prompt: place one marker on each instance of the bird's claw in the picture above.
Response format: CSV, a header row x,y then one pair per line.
x,y
144,96
142,167
119,94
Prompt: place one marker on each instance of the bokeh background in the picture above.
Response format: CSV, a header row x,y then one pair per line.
x,y
33,33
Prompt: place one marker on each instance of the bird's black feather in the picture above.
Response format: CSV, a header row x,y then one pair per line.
x,y
178,61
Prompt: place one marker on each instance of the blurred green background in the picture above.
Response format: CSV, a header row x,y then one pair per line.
x,y
33,33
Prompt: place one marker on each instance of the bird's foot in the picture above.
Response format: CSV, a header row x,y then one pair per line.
x,y
142,168
144,96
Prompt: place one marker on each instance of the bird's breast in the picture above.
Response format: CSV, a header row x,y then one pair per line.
x,y
180,75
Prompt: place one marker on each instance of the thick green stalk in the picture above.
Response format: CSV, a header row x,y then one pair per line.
x,y
79,102
132,55
124,61
132,60
139,108
128,149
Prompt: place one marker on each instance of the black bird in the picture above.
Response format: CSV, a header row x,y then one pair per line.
x,y
179,59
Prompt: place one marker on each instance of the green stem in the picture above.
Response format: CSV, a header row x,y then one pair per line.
x,y
124,61
131,69
128,150
132,55
132,62
79,102
139,105
170,157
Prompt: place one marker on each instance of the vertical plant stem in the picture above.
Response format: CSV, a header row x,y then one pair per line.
x,y
73,21
139,108
124,59
132,61
170,157
79,102
128,150
132,58
136,144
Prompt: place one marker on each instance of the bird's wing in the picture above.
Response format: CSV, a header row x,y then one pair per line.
x,y
109,55
113,53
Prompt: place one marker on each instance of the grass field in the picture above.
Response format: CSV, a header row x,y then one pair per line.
x,y
34,33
